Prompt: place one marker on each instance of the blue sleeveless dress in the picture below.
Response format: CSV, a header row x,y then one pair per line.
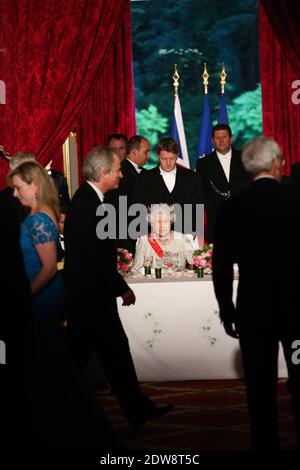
x,y
67,415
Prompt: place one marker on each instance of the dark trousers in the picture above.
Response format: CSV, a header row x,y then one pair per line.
x,y
260,360
94,329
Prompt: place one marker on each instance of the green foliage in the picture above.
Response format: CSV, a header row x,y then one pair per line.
x,y
152,125
189,33
245,116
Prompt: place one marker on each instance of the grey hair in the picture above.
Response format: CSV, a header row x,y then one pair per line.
x,y
99,158
165,209
258,154
19,158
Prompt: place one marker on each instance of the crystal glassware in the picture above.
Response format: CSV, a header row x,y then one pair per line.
x,y
168,261
148,264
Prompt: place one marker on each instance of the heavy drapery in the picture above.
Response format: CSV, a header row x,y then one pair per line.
x,y
52,53
280,67
111,106
284,18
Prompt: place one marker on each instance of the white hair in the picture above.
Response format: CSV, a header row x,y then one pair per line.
x,y
156,209
258,154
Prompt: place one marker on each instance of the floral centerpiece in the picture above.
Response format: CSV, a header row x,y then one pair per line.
x,y
202,258
124,261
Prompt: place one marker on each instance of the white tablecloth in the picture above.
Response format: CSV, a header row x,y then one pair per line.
x,y
175,333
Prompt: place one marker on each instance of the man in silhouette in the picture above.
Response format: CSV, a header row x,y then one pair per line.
x,y
16,427
61,185
259,228
295,175
93,284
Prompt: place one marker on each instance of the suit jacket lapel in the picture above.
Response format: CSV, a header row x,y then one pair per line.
x,y
129,169
218,176
234,166
91,195
162,189
179,185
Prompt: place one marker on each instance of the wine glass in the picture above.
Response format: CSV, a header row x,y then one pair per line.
x,y
177,261
148,260
168,261
158,267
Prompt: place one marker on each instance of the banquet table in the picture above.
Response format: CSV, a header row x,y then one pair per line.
x,y
174,330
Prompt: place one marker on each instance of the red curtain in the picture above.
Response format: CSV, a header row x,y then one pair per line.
x,y
52,53
284,18
111,106
279,68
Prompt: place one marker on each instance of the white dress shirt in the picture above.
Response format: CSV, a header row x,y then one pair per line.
x,y
225,162
169,178
136,167
259,177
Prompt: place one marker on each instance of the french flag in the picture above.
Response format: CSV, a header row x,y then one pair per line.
x,y
205,143
223,116
177,133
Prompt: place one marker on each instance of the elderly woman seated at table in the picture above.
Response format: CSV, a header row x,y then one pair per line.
x,y
163,247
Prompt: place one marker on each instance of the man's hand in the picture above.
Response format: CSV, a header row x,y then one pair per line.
x,y
231,329
128,298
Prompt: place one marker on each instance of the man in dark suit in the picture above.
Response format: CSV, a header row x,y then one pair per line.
x,y
16,410
61,185
295,175
171,184
93,284
222,174
257,227
138,152
118,143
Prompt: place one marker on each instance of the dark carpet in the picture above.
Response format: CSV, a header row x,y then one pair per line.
x,y
209,415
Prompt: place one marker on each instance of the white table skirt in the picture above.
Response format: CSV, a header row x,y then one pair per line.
x,y
174,332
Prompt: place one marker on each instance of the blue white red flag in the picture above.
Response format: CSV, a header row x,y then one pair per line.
x,y
205,143
223,116
178,134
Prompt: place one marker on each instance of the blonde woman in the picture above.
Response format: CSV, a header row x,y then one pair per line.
x,y
39,235
67,415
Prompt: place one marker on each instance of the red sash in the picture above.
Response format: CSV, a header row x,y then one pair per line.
x,y
156,247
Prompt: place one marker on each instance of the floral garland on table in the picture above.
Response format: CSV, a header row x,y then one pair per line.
x,y
124,261
202,258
